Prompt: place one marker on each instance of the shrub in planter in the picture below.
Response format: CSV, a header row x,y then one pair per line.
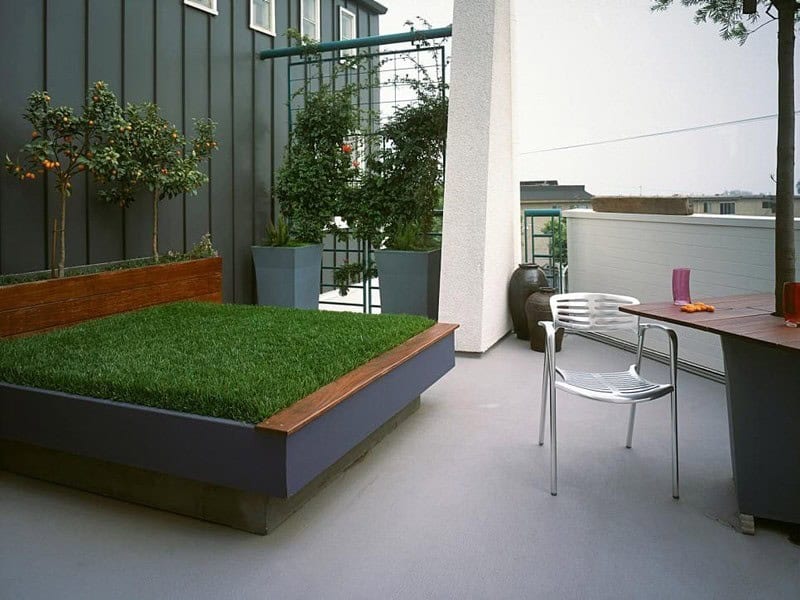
x,y
400,191
316,179
64,144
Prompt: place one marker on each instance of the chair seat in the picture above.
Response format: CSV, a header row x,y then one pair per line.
x,y
622,387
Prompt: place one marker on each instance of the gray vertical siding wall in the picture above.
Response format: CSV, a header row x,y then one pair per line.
x,y
193,65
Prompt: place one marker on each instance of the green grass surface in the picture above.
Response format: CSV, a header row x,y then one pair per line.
x,y
231,361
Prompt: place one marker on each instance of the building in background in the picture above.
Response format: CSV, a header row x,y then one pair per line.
x,y
745,204
549,194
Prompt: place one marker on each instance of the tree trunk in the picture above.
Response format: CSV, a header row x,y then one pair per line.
x,y
784,189
63,250
155,224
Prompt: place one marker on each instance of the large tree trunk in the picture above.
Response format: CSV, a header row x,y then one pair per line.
x,y
784,192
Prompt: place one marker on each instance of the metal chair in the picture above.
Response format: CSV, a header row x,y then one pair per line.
x,y
600,313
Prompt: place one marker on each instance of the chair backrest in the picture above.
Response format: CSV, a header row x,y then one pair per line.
x,y
592,312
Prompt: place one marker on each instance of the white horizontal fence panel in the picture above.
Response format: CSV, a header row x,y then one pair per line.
x,y
634,255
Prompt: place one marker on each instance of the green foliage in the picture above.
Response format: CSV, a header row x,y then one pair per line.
x,y
278,234
64,144
351,273
153,155
317,175
203,249
558,245
203,358
403,183
404,179
726,13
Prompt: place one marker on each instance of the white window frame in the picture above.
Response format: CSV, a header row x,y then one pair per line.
x,y
348,51
212,11
317,29
258,27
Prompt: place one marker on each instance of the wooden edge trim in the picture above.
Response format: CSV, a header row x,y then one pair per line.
x,y
18,295
306,410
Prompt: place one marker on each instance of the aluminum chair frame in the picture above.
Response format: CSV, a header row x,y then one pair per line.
x,y
600,313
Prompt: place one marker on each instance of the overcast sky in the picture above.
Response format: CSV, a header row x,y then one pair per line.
x,y
588,71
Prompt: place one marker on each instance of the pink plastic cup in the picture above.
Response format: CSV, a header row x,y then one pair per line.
x,y
680,286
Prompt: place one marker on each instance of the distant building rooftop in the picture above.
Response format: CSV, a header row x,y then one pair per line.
x,y
548,190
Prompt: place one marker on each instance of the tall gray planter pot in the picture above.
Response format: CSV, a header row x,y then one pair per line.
x,y
288,276
409,281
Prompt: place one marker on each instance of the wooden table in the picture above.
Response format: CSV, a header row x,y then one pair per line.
x,y
762,373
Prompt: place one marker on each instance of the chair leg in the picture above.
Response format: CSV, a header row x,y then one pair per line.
x,y
675,479
545,388
553,444
631,421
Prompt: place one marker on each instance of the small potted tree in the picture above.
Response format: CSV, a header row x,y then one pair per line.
x,y
64,145
105,142
400,192
314,182
153,156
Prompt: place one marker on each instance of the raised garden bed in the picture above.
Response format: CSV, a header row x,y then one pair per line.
x,y
250,471
37,306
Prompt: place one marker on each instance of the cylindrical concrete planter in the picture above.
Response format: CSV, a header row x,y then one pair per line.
x,y
288,276
409,281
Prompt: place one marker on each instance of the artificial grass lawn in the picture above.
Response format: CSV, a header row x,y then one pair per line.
x,y
230,361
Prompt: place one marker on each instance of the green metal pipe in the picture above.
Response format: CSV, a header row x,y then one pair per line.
x,y
375,40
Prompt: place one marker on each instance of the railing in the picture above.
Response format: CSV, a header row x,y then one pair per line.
x,y
535,235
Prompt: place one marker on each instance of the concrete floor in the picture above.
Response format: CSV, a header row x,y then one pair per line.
x,y
454,504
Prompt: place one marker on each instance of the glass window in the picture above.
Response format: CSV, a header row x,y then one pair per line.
x,y
309,18
347,29
209,6
727,208
262,16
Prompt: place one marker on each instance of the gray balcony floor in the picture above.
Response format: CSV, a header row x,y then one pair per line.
x,y
453,504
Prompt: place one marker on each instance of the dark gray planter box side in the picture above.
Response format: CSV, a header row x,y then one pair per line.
x,y
216,451
763,389
409,281
288,276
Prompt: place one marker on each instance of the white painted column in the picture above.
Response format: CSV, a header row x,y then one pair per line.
x,y
481,237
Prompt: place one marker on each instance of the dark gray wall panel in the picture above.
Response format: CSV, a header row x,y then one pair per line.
x,y
139,86
196,102
263,132
221,82
280,113
104,63
169,96
66,82
23,243
243,72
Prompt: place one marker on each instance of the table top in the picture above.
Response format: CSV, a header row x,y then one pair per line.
x,y
748,317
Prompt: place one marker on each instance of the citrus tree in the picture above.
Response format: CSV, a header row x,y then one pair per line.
x,y
64,144
153,155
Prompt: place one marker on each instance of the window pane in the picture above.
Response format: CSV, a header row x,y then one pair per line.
x,y
310,10
348,27
262,13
